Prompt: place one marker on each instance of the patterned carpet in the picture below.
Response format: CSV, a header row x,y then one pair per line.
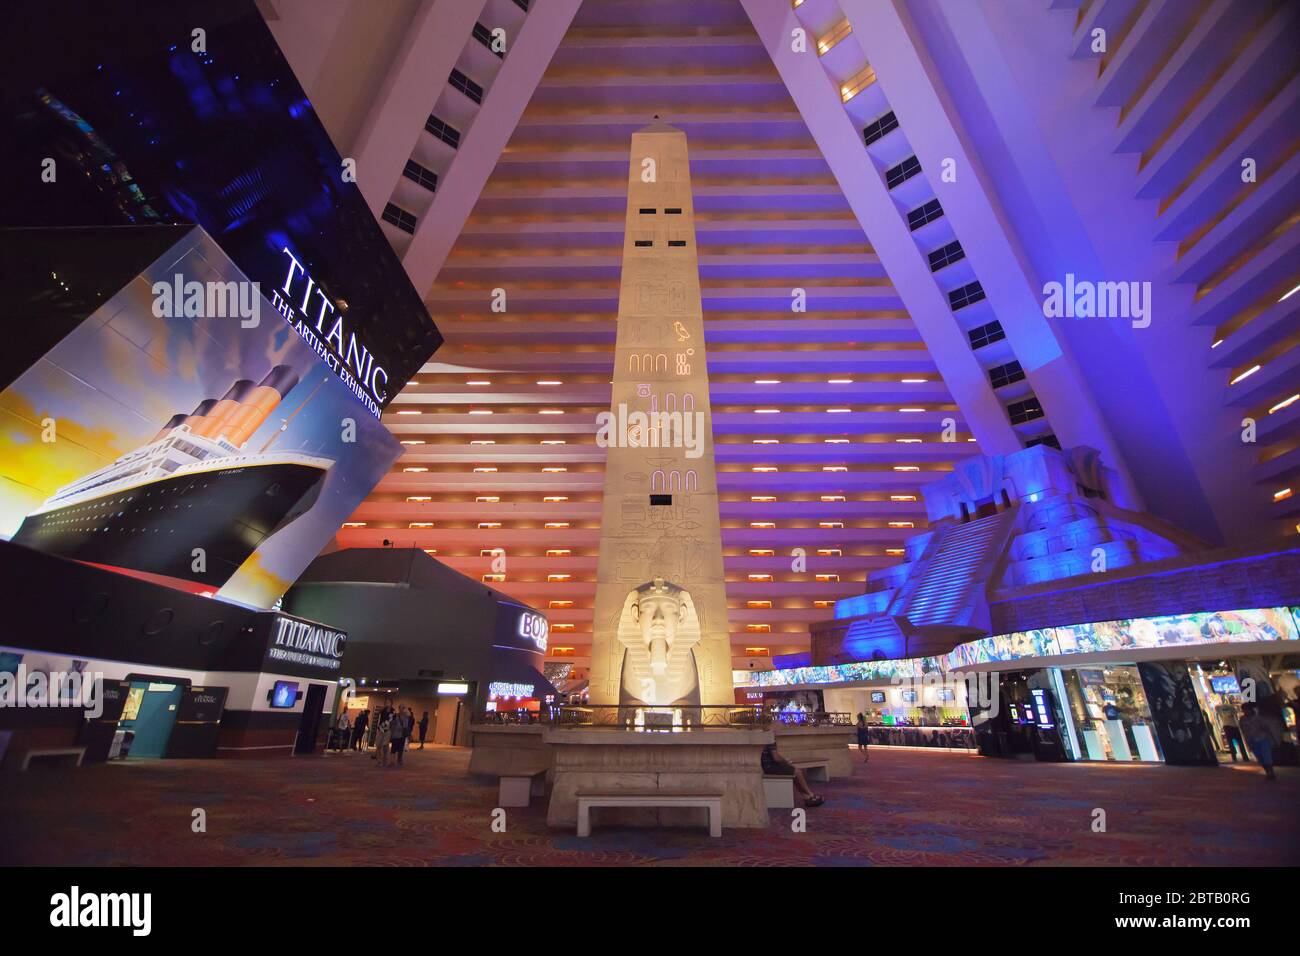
x,y
905,808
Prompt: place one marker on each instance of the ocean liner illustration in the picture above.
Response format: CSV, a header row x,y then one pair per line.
x,y
191,486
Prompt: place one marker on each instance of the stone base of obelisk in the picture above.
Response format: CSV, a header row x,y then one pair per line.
x,y
799,744
607,760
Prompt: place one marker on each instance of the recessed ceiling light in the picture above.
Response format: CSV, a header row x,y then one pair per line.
x,y
1246,374
1284,403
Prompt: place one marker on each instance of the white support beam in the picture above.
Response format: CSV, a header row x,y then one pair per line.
x,y
526,60
931,124
818,100
418,74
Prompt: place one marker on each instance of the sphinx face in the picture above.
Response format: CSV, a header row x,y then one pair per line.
x,y
657,616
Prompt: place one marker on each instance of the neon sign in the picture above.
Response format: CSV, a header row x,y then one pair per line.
x,y
534,627
498,690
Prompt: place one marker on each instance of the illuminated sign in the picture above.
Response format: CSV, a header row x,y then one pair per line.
x,y
306,644
1173,630
453,688
533,627
498,690
320,322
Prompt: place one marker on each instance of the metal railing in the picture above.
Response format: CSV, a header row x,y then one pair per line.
x,y
672,719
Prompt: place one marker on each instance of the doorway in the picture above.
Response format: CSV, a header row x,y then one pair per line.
x,y
312,713
150,714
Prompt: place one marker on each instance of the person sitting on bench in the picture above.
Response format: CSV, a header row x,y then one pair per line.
x,y
774,765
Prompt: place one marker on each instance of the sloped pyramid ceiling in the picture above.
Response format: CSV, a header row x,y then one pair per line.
x,y
827,421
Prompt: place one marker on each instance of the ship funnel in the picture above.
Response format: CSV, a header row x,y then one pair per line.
x,y
172,422
195,418
254,408
212,423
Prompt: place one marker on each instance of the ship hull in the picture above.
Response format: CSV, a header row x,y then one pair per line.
x,y
156,527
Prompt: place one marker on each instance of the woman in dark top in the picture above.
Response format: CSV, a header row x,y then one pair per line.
x,y
863,737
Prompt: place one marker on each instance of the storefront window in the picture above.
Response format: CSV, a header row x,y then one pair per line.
x,y
1112,719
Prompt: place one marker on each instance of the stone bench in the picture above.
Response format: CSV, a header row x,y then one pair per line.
x,y
778,792
649,798
518,790
59,754
819,770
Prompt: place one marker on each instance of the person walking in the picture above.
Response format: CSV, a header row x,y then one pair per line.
x,y
1232,740
383,737
343,732
424,728
864,737
1262,735
359,731
402,720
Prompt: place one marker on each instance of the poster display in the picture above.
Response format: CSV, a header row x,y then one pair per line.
x,y
213,452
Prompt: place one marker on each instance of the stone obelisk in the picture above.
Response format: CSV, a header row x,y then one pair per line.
x,y
660,536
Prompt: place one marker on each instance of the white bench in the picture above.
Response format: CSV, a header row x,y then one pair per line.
x,y
778,792
517,791
819,770
649,798
62,753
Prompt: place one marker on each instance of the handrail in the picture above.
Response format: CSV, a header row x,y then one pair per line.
x,y
674,718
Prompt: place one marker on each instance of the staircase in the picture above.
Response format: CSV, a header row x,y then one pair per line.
x,y
958,563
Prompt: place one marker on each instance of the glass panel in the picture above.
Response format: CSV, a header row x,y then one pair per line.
x,y
1110,712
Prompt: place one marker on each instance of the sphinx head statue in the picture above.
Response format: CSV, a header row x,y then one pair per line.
x,y
659,627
